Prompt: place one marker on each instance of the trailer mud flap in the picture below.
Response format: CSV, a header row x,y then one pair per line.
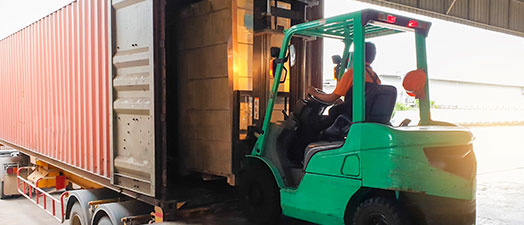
x,y
133,96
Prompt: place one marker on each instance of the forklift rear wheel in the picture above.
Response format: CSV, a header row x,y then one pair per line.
x,y
260,194
380,211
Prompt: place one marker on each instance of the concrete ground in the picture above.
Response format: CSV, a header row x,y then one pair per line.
x,y
500,186
20,211
500,176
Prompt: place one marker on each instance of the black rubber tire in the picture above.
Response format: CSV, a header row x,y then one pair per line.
x,y
104,221
380,211
260,194
77,216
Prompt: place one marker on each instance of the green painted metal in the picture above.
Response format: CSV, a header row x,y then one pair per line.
x,y
392,158
424,104
351,166
319,199
260,144
358,72
374,156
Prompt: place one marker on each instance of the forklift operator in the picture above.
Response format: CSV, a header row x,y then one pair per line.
x,y
345,84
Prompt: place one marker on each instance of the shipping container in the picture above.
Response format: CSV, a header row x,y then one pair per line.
x,y
88,89
55,81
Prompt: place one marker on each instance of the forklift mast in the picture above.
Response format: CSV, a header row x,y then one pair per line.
x,y
270,19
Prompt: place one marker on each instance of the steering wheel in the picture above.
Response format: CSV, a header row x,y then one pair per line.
x,y
318,100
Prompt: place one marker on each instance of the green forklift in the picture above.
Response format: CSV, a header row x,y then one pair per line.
x,y
362,169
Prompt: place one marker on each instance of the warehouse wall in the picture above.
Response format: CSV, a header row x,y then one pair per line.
x,y
455,94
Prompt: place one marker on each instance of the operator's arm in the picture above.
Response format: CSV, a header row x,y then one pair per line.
x,y
342,87
329,98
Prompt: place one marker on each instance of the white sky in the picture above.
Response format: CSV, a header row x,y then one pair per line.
x,y
454,51
17,14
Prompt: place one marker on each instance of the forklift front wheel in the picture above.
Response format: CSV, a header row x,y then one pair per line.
x,y
380,211
260,194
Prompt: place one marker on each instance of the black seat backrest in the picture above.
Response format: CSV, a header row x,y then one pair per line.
x,y
380,102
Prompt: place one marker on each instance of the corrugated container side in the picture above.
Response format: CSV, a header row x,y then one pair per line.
x,y
54,87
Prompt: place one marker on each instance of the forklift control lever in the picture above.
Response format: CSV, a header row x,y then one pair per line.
x,y
286,116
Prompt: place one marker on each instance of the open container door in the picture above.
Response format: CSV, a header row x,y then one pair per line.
x,y
138,66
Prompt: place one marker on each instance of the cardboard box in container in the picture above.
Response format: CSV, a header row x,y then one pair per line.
x,y
214,52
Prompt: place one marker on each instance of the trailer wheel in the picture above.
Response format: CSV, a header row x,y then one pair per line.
x,y
380,211
104,221
260,194
77,216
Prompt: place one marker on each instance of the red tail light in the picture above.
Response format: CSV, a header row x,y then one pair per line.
x,y
391,19
413,24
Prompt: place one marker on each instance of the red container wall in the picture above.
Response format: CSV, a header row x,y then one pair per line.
x,y
54,86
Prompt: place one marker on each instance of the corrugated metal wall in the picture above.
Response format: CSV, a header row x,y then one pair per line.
x,y
54,86
505,16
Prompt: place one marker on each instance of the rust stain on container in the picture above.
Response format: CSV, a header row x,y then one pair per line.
x,y
54,86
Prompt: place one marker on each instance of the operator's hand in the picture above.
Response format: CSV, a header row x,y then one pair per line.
x,y
314,91
338,102
311,91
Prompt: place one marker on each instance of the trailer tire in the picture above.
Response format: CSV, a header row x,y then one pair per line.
x,y
380,210
77,216
104,221
260,194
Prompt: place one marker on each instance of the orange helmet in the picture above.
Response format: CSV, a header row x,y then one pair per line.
x,y
415,82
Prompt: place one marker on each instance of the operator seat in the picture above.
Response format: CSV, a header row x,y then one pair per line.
x,y
380,102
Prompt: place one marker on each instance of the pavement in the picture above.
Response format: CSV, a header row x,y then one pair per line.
x,y
500,176
20,211
500,197
500,186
